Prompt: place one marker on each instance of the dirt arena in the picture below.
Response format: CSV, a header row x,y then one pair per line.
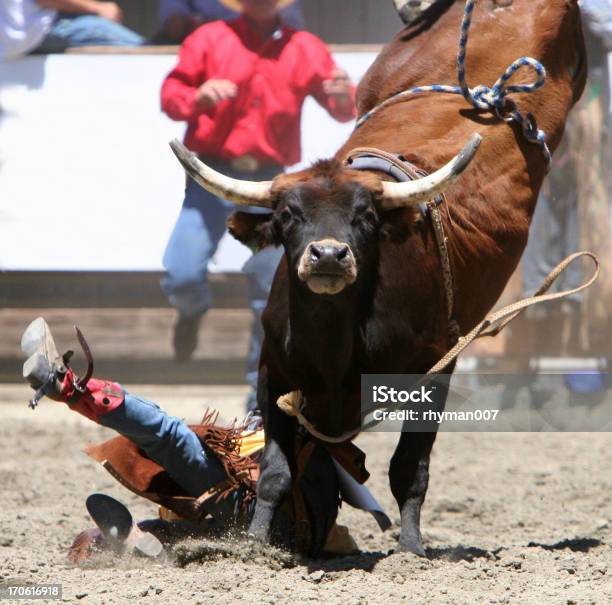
x,y
509,518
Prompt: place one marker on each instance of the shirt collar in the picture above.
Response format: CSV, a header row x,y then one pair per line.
x,y
280,33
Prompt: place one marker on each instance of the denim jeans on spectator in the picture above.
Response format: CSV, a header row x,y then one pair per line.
x,y
260,269
553,235
193,242
86,30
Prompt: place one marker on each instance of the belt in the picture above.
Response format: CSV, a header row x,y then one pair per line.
x,y
245,163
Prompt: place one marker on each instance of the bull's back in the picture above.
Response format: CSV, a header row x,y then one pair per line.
x,y
490,207
425,53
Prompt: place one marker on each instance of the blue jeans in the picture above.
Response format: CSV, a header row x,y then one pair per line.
x,y
260,269
168,441
86,30
553,235
194,241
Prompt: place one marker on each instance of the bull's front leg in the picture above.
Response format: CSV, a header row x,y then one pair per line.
x,y
275,471
274,482
409,476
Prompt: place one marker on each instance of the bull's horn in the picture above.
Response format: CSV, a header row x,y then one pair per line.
x,y
244,193
396,195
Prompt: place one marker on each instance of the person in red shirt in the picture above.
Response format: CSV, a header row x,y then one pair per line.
x,y
240,86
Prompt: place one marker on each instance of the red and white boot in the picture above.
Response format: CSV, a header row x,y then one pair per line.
x,y
50,375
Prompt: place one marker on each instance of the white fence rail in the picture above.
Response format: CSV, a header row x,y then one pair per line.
x,y
87,180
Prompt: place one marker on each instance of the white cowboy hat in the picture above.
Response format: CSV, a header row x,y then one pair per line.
x,y
236,5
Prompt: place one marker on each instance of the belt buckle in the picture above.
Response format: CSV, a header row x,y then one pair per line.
x,y
245,163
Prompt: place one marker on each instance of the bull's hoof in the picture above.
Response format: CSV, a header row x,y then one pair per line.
x,y
258,534
261,524
413,546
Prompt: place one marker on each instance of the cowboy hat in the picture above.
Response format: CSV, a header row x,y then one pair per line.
x,y
236,5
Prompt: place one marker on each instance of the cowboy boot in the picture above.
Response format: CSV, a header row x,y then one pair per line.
x,y
43,363
50,375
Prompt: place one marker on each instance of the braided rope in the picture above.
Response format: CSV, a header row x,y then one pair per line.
x,y
292,403
482,97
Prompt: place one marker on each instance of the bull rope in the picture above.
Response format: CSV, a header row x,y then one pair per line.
x,y
482,97
292,403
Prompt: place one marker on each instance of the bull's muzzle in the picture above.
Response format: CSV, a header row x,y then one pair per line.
x,y
327,266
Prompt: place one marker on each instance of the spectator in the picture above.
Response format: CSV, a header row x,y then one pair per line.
x,y
178,18
572,211
47,26
240,86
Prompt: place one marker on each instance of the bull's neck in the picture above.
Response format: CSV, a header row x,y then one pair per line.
x,y
323,329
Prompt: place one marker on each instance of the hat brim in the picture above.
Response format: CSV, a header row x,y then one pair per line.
x,y
236,5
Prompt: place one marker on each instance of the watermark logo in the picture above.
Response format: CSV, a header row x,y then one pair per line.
x,y
386,394
472,402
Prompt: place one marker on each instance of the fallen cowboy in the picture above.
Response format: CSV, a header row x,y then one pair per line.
x,y
194,473
392,261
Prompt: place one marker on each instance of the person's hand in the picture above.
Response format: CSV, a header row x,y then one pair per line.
x,y
215,91
110,11
339,86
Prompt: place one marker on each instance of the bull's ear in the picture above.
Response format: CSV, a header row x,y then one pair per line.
x,y
400,223
254,230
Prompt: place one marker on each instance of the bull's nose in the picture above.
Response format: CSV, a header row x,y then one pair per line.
x,y
327,266
322,253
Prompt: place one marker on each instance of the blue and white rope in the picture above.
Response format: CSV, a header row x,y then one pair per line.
x,y
482,97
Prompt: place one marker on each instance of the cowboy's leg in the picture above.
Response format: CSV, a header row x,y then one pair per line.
x,y
165,439
168,441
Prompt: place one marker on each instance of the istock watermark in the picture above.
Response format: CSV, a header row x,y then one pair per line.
x,y
528,402
385,394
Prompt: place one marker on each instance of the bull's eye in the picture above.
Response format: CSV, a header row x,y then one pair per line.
x,y
363,213
368,216
371,217
286,215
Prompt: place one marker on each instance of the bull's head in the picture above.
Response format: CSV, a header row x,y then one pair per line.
x,y
328,218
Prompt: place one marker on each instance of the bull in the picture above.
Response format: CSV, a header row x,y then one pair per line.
x,y
360,287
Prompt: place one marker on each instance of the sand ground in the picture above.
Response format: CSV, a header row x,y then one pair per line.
x,y
509,518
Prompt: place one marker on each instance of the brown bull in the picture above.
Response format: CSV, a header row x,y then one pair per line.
x,y
360,289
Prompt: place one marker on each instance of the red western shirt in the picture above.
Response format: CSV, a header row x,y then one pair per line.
x,y
273,78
